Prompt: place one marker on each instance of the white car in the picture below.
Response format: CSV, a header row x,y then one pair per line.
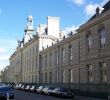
x,y
40,89
32,89
48,90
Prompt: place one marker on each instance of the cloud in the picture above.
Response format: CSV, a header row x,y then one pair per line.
x,y
8,43
2,50
90,9
7,47
3,64
77,2
4,57
71,28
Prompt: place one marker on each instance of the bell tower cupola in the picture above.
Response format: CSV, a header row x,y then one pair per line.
x,y
30,22
29,29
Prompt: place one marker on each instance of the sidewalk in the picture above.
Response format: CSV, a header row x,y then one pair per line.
x,y
87,98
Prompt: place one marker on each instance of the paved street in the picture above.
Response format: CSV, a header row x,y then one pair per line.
x,y
21,95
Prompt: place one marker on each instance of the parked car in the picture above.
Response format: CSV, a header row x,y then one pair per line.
x,y
16,86
48,90
6,92
23,87
40,89
62,92
27,88
19,86
33,88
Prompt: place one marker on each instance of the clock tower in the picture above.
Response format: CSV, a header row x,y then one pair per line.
x,y
29,29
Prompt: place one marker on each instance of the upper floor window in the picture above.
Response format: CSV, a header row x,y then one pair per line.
x,y
89,42
63,55
41,61
102,33
33,50
45,60
30,51
50,59
36,48
71,52
57,57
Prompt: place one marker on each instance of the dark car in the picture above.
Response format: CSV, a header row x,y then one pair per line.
x,y
6,92
62,92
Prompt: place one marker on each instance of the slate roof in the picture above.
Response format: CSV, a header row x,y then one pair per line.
x,y
106,7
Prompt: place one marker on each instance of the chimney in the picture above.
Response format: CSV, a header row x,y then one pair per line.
x,y
97,11
53,28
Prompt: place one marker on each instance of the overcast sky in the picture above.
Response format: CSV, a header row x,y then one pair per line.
x,y
14,13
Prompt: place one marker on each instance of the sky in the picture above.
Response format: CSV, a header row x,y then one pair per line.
x,y
14,13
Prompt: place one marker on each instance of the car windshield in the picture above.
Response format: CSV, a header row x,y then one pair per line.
x,y
60,89
51,88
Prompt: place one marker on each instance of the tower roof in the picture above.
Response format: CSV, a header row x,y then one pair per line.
x,y
30,17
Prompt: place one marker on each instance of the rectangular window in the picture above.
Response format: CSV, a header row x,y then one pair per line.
x,y
50,77
103,72
41,62
89,42
41,78
57,57
89,73
63,76
57,76
70,76
102,33
33,50
45,77
46,61
36,61
50,59
36,49
63,55
30,51
71,52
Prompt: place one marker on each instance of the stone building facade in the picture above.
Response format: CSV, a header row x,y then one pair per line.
x,y
81,58
50,57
